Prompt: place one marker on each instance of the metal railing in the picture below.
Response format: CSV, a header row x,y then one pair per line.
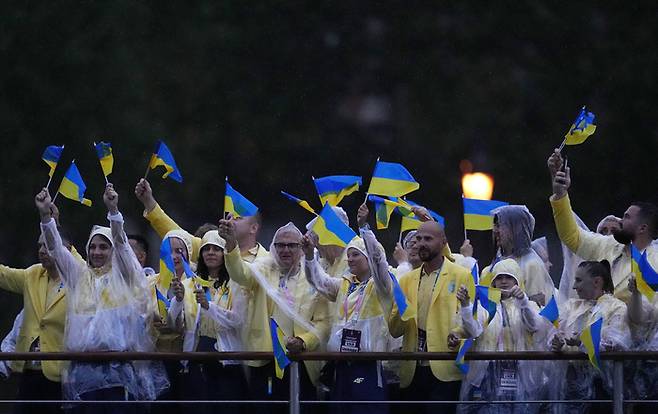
x,y
294,399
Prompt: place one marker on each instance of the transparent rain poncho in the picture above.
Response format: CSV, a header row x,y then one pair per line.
x,y
107,311
570,264
644,374
521,225
576,379
226,311
357,305
515,327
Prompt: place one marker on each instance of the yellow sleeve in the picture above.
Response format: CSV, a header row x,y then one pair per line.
x,y
238,270
565,222
162,224
12,279
321,322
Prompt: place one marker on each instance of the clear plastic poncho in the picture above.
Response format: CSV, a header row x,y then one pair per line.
x,y
521,225
576,379
515,327
108,310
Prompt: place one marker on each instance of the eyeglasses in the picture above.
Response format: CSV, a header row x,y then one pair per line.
x,y
289,246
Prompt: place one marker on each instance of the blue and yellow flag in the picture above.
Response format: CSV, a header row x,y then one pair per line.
x,y
167,268
391,179
302,203
383,210
464,346
105,156
281,360
72,186
488,297
162,156
163,302
237,204
400,298
411,222
591,340
51,156
477,213
332,189
551,312
330,230
646,277
581,128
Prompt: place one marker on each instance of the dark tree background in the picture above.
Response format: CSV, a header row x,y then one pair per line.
x,y
270,93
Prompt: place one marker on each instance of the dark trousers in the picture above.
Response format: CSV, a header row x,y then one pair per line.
x,y
213,381
106,394
174,393
358,381
425,386
264,385
33,385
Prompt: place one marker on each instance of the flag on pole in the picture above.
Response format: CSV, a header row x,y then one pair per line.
x,y
51,156
591,340
464,346
477,213
646,277
72,186
332,189
162,156
237,204
302,203
392,179
281,360
105,156
551,312
581,128
331,230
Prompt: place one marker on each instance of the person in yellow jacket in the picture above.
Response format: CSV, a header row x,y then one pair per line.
x,y
107,309
279,290
42,329
247,228
433,312
359,324
639,225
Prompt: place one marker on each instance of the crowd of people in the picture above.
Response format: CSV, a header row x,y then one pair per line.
x,y
227,288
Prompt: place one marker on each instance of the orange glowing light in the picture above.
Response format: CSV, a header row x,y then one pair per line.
x,y
477,185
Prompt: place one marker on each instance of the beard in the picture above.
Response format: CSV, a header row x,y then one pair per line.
x,y
623,236
426,255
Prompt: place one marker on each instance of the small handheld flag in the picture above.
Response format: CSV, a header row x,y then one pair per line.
x,y
391,179
551,312
646,277
105,156
332,189
488,297
581,129
383,210
162,156
302,203
163,302
330,230
591,340
72,186
411,222
399,297
237,204
281,360
477,213
167,268
51,156
464,346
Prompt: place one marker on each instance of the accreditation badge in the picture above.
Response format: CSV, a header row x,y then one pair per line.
x,y
350,341
451,286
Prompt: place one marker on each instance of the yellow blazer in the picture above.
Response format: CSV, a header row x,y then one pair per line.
x,y
443,318
309,304
38,321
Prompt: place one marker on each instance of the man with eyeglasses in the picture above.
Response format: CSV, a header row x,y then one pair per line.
x,y
278,290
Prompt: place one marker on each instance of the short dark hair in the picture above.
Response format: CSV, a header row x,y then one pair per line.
x,y
600,269
649,215
141,240
204,228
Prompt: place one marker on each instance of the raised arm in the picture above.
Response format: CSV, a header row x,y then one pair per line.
x,y
12,279
238,271
125,257
326,285
156,216
67,265
376,258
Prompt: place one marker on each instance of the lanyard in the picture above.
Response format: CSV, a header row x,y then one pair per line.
x,y
359,301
